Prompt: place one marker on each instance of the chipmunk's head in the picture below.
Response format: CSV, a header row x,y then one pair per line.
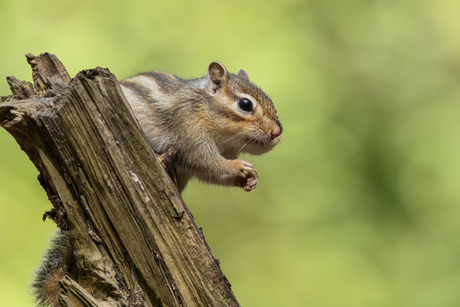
x,y
250,121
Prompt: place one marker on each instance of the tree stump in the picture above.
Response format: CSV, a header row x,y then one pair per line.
x,y
134,240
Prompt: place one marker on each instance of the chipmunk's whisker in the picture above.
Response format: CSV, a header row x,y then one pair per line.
x,y
244,145
235,136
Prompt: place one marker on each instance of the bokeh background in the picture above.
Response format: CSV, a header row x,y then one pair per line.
x,y
360,204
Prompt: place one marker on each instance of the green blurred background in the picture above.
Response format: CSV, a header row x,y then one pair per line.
x,y
360,204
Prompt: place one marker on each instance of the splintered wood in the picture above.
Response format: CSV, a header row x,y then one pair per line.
x,y
134,241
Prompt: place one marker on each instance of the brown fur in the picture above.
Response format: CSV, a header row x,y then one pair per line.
x,y
52,287
58,261
202,120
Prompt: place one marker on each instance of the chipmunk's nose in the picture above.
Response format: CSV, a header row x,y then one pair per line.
x,y
275,132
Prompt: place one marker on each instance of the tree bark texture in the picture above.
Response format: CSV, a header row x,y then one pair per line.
x,y
133,238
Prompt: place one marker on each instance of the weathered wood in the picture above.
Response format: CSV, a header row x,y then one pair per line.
x,y
74,295
134,240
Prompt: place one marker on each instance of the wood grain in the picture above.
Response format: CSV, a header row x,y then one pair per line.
x,y
133,238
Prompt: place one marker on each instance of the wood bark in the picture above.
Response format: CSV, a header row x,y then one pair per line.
x,y
134,240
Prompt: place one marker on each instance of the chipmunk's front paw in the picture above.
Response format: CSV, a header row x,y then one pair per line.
x,y
247,175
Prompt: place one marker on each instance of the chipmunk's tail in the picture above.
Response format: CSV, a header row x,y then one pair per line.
x,y
56,262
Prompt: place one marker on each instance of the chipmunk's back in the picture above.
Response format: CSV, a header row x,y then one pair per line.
x,y
209,121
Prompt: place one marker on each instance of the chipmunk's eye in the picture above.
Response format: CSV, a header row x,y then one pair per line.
x,y
245,104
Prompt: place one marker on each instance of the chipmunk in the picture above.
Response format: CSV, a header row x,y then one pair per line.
x,y
209,121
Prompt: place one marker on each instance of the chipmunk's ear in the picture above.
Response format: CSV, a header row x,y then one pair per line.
x,y
218,76
243,74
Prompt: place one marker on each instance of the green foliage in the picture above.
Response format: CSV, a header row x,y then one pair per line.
x,y
359,206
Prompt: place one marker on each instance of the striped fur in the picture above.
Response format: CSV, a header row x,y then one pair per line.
x,y
201,118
